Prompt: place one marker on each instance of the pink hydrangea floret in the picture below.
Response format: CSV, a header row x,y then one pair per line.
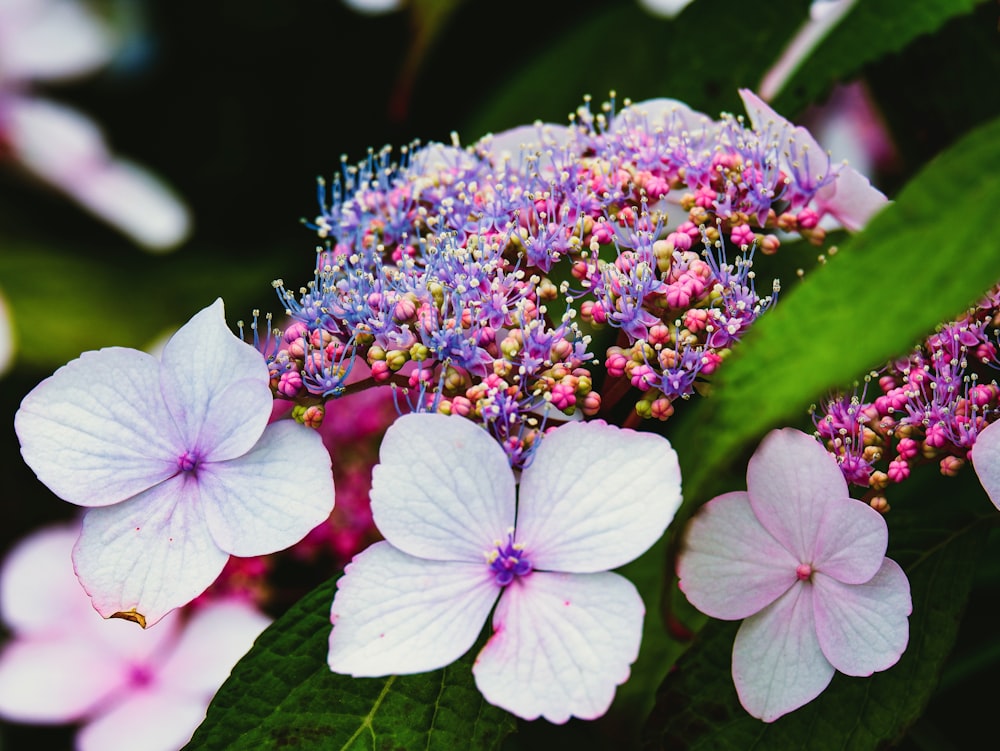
x,y
804,564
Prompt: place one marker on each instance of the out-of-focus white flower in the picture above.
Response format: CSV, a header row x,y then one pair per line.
x,y
665,8
823,16
127,686
374,7
48,40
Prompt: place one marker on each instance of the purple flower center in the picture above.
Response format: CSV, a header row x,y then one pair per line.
x,y
140,676
508,561
804,572
188,461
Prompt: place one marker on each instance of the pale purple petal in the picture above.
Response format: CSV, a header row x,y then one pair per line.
x,y
852,200
439,157
271,497
443,489
730,567
214,640
518,144
38,590
96,431
986,461
762,116
790,479
670,114
596,497
396,614
562,644
851,542
215,386
777,662
150,720
863,628
151,554
55,680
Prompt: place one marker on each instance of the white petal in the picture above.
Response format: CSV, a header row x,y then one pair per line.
x,y
149,720
542,140
151,554
824,16
561,645
596,497
273,496
53,680
51,40
986,461
38,589
790,478
67,150
665,8
96,431
443,489
730,567
777,663
394,613
673,115
134,201
215,386
863,628
214,640
851,542
57,143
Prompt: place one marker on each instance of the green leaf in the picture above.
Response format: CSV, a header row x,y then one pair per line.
x,y
929,105
697,707
283,695
920,262
701,58
871,30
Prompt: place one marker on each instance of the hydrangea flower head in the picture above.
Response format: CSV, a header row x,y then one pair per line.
x,y
125,686
460,536
176,462
805,565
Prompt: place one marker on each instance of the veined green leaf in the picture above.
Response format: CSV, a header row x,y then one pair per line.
x,y
282,695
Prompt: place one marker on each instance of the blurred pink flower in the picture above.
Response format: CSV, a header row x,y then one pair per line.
x,y
51,40
804,564
129,688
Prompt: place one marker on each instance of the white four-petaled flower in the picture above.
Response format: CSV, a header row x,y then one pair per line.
x,y
459,536
177,462
805,565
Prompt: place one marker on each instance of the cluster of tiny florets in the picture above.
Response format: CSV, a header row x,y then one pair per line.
x,y
476,280
928,407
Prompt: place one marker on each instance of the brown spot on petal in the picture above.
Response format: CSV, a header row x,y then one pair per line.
x,y
130,615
